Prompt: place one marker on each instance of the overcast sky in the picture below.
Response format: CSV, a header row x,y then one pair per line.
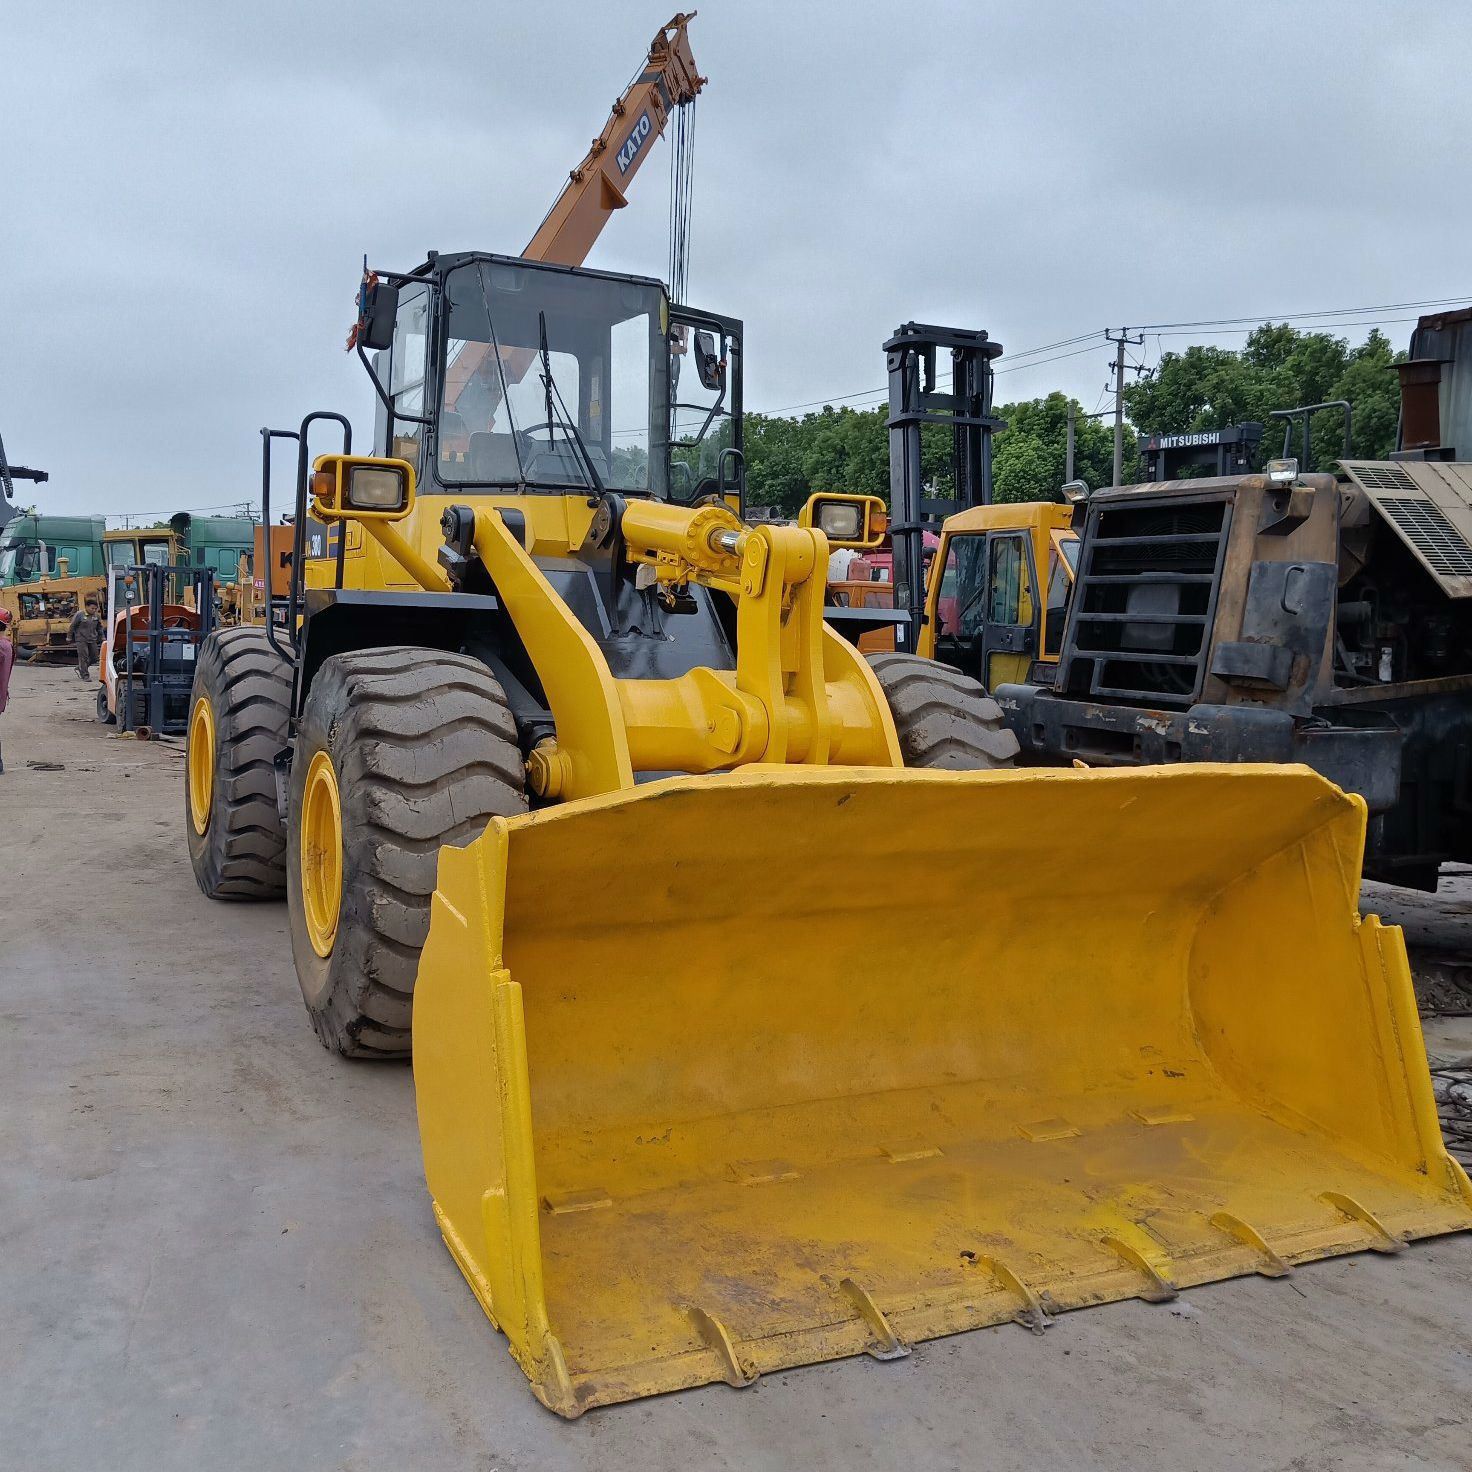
x,y
187,190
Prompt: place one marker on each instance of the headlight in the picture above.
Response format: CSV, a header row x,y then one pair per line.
x,y
842,521
1074,491
1282,472
376,488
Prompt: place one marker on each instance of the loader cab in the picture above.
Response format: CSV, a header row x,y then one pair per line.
x,y
129,548
998,592
500,374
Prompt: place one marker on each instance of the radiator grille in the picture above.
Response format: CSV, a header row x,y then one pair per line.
x,y
1429,530
1384,478
1144,602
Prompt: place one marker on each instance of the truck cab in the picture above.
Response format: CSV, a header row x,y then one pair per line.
x,y
34,547
215,542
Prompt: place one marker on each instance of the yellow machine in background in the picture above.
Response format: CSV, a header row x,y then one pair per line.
x,y
41,613
997,586
997,593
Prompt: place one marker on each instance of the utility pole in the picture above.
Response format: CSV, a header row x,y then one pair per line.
x,y
1068,466
1124,338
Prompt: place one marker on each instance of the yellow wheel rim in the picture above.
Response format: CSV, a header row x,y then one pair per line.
x,y
321,853
201,763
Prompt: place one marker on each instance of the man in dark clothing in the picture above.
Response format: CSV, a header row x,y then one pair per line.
x,y
85,631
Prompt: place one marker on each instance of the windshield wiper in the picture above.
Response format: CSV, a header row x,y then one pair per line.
x,y
549,385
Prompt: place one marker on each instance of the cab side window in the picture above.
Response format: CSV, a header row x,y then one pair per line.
x,y
1005,581
410,354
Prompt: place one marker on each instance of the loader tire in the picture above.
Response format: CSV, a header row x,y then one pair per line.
x,y
944,718
399,752
237,841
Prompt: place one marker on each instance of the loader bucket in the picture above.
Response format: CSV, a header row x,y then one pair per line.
x,y
730,1074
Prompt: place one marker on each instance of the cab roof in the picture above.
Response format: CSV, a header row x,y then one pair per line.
x,y
1010,516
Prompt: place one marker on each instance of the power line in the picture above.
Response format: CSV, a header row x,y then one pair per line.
x,y
1219,326
1260,318
1066,342
1306,327
943,379
1077,353
244,508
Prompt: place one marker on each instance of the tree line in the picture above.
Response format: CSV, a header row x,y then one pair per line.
x,y
1200,388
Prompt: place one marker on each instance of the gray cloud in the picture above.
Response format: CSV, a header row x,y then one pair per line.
x,y
190,190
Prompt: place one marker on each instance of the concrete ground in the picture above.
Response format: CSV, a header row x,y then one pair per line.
x,y
216,1250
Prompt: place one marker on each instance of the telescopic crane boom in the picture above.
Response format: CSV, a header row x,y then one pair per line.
x,y
599,185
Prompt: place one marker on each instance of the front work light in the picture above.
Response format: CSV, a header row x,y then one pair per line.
x,y
362,486
841,521
857,522
376,487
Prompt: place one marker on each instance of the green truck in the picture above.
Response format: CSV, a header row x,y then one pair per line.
x,y
32,547
218,542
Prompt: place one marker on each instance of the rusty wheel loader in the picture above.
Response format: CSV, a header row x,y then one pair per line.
x,y
558,762
1316,618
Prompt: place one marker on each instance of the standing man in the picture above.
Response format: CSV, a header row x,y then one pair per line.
x,y
85,631
7,659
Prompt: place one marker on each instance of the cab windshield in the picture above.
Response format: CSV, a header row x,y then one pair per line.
x,y
553,380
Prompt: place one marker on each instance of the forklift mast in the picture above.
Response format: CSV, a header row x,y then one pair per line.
x,y
916,400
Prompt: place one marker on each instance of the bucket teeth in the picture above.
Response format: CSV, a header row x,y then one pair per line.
x,y
763,1172
1382,1239
1031,1315
1272,1266
887,1344
563,1203
1161,1288
718,1340
1048,1129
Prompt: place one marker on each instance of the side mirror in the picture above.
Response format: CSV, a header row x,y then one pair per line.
x,y
858,522
378,306
711,369
361,487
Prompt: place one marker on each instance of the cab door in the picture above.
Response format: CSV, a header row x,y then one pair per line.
x,y
1009,629
982,612
954,590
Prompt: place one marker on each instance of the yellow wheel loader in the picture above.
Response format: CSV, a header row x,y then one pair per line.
x,y
571,779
